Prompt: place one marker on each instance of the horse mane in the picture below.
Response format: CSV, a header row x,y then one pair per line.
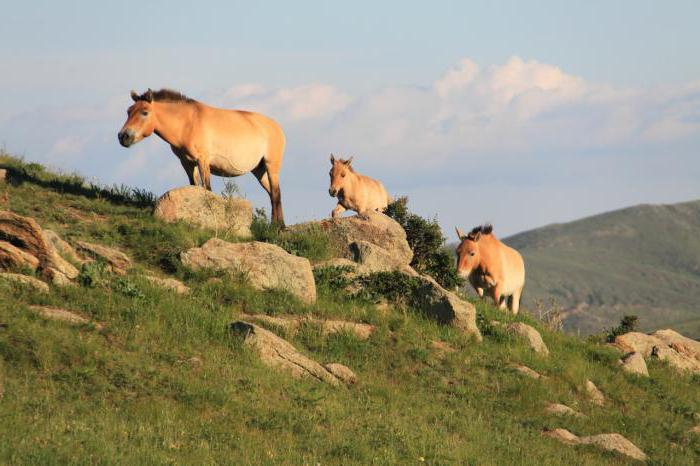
x,y
486,229
168,95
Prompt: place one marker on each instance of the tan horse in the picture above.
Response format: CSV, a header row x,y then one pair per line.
x,y
491,266
354,191
210,140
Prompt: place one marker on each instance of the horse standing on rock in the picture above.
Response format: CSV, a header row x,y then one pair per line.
x,y
354,191
210,140
491,267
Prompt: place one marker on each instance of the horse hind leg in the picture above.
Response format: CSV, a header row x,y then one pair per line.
x,y
260,173
515,301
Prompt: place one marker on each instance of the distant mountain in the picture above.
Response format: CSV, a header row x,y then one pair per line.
x,y
642,260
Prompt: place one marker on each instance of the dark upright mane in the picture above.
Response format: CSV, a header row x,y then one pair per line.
x,y
167,95
480,229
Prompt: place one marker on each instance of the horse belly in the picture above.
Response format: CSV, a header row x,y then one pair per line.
x,y
222,165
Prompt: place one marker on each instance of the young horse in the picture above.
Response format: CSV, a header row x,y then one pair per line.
x,y
210,140
491,266
354,191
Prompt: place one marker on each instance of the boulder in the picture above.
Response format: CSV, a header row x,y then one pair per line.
x,y
54,313
610,442
292,324
25,280
117,262
377,229
527,372
197,206
342,373
168,283
444,306
62,247
531,335
634,363
559,409
265,265
278,353
679,352
594,394
24,233
373,258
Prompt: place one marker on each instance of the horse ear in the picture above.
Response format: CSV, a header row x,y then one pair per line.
x,y
134,96
332,159
477,236
149,95
460,235
348,161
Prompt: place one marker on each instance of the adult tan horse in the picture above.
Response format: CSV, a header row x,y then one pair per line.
x,y
354,191
210,140
491,266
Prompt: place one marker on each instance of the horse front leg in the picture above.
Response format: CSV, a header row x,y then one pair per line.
x,y
338,211
204,173
191,170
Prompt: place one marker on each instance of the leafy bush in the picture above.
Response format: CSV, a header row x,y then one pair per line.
x,y
335,278
426,240
92,274
628,323
393,286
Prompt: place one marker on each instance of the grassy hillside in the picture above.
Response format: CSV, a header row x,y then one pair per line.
x,y
132,394
643,260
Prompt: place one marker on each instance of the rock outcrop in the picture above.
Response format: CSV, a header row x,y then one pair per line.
x,y
531,336
292,324
594,394
168,283
197,206
278,353
342,373
266,266
634,363
610,442
70,317
667,345
117,262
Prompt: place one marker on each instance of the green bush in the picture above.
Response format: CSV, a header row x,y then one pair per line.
x,y
628,323
426,240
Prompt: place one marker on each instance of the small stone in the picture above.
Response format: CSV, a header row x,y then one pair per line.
x,y
531,335
54,313
562,410
169,284
527,372
342,373
595,395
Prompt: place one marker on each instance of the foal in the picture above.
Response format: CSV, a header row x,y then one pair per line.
x,y
354,191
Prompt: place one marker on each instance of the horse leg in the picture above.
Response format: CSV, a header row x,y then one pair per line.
x,y
496,296
260,173
204,173
338,211
191,170
515,301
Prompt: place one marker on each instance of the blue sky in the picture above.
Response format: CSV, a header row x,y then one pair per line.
x,y
519,113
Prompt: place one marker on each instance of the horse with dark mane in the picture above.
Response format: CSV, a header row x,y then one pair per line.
x,y
210,140
491,267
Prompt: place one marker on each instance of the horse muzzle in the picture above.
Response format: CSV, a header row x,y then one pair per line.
x,y
333,192
126,138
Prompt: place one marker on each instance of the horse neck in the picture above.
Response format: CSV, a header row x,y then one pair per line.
x,y
171,118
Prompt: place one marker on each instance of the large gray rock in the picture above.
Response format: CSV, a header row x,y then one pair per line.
x,y
373,258
278,353
377,229
265,265
531,335
610,442
444,306
197,206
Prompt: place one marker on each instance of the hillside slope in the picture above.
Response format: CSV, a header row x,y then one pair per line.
x,y
642,260
165,382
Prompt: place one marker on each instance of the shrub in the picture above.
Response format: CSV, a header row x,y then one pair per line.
x,y
426,240
628,323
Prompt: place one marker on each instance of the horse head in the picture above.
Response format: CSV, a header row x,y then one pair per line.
x,y
340,169
140,122
468,254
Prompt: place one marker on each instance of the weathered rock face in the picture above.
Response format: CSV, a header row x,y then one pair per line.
x,y
266,266
610,442
445,307
117,261
197,206
667,345
12,257
62,247
26,280
531,335
373,258
377,229
278,353
634,363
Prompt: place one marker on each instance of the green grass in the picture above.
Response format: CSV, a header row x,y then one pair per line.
x,y
129,395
